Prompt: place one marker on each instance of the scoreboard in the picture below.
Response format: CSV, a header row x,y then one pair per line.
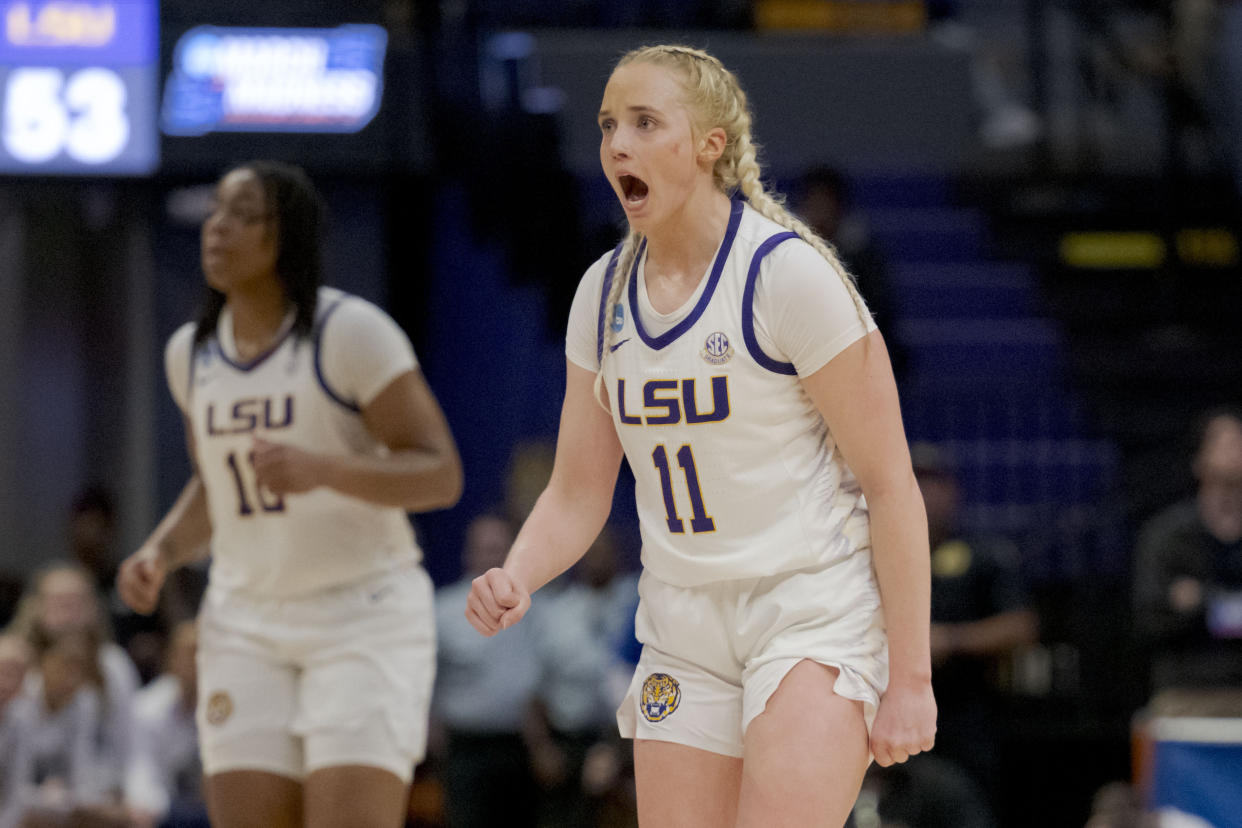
x,y
78,87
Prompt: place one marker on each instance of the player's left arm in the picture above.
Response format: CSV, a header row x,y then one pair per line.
x,y
857,396
365,361
420,471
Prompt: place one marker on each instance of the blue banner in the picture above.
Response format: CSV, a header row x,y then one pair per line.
x,y
274,80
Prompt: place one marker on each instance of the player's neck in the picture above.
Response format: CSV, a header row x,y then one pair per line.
x,y
258,316
681,250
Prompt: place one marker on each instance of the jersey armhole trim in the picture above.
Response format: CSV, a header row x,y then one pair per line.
x,y
748,307
609,272
189,384
318,345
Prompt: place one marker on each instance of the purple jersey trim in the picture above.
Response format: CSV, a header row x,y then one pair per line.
x,y
317,338
748,307
664,339
257,361
189,387
603,302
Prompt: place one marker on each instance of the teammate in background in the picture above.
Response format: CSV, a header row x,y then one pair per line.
x,y
741,375
312,432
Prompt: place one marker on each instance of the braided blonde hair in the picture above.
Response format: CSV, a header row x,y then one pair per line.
x,y
715,99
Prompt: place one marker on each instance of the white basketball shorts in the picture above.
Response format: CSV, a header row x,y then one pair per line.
x,y
342,677
714,654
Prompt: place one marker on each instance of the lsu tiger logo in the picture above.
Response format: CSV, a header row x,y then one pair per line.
x,y
661,695
219,708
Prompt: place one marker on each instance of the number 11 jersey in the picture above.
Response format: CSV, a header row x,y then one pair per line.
x,y
737,475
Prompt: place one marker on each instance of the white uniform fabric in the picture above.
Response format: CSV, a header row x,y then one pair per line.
x,y
343,677
750,518
720,435
713,655
317,636
308,393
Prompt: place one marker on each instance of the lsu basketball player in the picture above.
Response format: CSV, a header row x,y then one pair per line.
x,y
312,433
785,601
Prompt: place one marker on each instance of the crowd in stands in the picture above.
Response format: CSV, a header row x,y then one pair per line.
x,y
97,705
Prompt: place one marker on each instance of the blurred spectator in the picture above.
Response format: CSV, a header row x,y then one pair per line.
x,y
14,662
582,628
996,67
61,600
164,779
925,791
530,467
12,584
483,689
1207,51
980,614
1188,569
59,713
1117,805
824,203
92,546
92,536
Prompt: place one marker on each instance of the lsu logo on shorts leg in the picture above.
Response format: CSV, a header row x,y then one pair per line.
x,y
661,695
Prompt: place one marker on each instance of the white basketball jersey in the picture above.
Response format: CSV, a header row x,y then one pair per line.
x,y
283,547
736,473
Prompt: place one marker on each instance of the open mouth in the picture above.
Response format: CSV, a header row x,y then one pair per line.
x,y
634,189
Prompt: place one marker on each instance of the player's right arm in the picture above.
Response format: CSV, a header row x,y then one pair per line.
x,y
181,538
566,518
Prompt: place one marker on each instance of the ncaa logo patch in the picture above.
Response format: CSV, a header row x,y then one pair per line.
x,y
219,708
661,695
716,349
618,317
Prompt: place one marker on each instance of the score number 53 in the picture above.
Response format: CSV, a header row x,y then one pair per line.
x,y
83,114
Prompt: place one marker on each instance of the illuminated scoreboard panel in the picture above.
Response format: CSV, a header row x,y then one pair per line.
x,y
78,87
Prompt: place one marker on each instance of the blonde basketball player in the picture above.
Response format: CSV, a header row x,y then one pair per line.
x,y
312,432
785,586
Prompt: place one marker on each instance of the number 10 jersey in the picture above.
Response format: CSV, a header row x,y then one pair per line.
x,y
284,547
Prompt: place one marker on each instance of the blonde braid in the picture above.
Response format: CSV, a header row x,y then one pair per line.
x,y
770,207
620,277
738,168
